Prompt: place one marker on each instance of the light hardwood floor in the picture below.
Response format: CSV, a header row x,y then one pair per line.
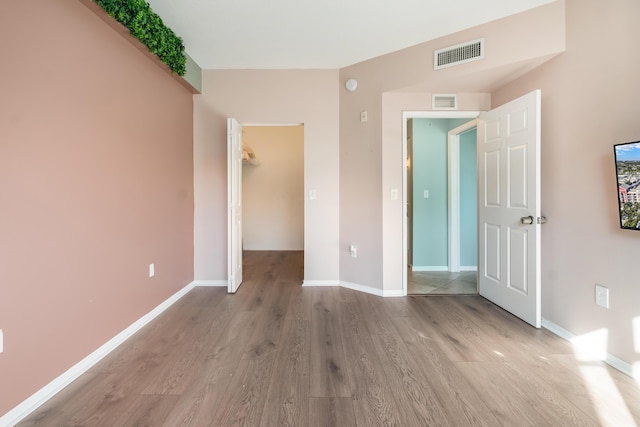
x,y
277,354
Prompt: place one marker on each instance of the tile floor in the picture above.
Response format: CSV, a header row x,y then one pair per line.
x,y
441,282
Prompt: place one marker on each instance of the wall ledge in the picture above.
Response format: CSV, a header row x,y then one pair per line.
x,y
124,32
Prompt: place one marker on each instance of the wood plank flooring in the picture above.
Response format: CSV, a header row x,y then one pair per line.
x,y
277,354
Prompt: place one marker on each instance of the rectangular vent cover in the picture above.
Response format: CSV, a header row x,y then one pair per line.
x,y
458,54
444,102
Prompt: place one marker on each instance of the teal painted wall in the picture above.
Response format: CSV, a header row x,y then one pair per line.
x,y
468,200
429,165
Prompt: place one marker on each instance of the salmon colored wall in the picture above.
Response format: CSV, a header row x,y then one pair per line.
x,y
589,103
96,183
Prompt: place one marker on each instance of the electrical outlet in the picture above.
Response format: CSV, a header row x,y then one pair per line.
x,y
363,116
1,341
353,250
602,296
152,270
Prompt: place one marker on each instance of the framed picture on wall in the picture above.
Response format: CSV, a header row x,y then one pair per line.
x,y
627,158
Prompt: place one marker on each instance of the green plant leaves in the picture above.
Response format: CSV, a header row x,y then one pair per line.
x,y
147,26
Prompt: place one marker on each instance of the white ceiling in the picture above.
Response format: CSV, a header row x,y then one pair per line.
x,y
276,34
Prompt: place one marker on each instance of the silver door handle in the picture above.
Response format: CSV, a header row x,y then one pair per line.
x,y
526,220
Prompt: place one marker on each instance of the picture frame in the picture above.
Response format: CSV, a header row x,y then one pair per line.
x,y
627,162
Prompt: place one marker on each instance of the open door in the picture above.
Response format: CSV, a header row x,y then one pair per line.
x,y
509,207
234,200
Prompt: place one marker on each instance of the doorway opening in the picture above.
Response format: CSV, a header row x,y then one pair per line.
x,y
265,192
440,195
273,188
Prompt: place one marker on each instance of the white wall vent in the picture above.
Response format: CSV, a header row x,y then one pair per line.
x,y
444,102
458,54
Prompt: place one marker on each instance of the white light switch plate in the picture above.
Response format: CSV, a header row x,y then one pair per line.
x,y
602,296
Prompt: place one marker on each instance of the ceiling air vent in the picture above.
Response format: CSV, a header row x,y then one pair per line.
x,y
444,102
458,54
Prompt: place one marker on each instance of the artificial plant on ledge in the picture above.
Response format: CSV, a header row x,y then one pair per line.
x,y
145,25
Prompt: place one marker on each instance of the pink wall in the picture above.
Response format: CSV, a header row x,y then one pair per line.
x,y
96,184
589,102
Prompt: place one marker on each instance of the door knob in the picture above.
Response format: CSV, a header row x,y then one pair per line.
x,y
526,220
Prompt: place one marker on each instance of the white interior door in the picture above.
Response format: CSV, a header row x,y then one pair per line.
x,y
508,199
234,200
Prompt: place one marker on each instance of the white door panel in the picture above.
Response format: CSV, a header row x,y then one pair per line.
x,y
509,189
234,199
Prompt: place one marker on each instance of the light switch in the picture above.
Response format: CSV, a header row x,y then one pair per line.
x,y
426,194
363,116
394,194
313,194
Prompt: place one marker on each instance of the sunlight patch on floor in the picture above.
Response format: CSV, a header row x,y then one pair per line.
x,y
614,412
590,351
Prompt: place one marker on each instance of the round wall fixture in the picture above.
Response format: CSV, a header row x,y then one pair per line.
x,y
351,85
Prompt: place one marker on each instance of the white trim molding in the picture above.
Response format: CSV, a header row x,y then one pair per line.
x,y
362,288
32,403
311,283
212,283
468,268
373,291
429,268
609,359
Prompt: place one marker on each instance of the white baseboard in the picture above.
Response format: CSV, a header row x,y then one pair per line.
x,y
468,268
354,286
609,359
372,291
393,294
429,268
362,288
32,403
310,283
221,283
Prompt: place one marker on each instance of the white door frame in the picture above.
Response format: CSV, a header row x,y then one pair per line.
x,y
406,115
453,156
231,166
234,205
